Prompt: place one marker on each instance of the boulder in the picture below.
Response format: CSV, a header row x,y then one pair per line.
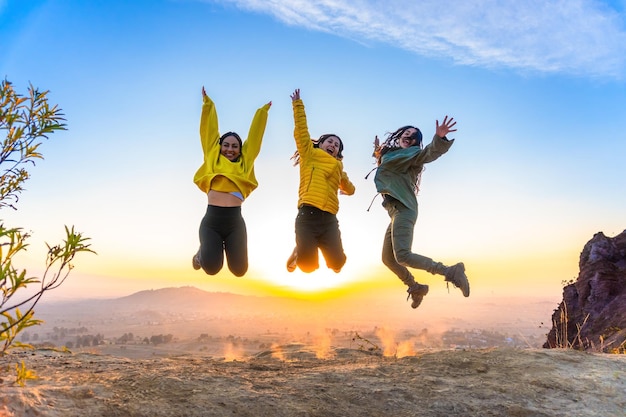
x,y
592,315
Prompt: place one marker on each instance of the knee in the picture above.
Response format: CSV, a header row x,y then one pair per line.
x,y
402,256
307,268
211,269
307,265
210,263
238,270
388,259
337,265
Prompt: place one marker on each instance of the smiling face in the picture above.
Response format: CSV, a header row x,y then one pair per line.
x,y
230,148
331,145
407,138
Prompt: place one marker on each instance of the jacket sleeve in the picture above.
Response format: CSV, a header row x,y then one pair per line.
x,y
345,185
252,146
209,134
301,130
437,147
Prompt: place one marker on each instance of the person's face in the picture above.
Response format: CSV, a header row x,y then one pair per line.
x,y
331,145
230,148
406,140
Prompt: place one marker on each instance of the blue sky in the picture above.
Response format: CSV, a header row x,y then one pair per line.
x,y
538,89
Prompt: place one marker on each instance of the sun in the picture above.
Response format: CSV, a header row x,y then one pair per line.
x,y
317,283
319,280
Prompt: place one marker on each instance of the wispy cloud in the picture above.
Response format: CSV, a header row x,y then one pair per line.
x,y
581,37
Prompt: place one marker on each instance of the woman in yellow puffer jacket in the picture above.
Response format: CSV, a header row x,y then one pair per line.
x,y
227,177
321,179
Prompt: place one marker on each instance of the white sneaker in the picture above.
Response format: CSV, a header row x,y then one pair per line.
x,y
292,262
195,261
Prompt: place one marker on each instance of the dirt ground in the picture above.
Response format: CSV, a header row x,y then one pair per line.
x,y
292,380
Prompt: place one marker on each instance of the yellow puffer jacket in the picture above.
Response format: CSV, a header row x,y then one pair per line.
x,y
217,172
321,174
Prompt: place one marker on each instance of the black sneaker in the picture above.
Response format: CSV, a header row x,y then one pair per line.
x,y
417,293
456,275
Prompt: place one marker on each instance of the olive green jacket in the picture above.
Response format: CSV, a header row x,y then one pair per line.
x,y
398,170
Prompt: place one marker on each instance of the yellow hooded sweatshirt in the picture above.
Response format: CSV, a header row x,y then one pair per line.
x,y
217,172
321,174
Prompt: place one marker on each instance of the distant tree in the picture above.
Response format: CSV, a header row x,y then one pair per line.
x,y
125,338
161,338
26,121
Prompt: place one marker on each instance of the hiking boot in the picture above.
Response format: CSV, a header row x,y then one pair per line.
x,y
292,262
417,293
456,275
195,261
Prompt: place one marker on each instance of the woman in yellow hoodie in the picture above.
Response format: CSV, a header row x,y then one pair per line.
x,y
321,178
227,177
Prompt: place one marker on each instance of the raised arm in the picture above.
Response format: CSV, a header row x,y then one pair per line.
x,y
252,145
209,132
445,127
439,145
301,129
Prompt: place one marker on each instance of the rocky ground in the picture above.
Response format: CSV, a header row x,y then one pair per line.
x,y
292,380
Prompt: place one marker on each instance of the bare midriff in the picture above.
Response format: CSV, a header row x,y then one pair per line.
x,y
222,199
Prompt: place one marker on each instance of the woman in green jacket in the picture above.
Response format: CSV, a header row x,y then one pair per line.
x,y
400,160
321,178
227,177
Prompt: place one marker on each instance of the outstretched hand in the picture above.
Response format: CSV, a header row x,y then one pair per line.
x,y
296,95
203,92
445,127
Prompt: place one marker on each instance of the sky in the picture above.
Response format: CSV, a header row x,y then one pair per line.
x,y
538,90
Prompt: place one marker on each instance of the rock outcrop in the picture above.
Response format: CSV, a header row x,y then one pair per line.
x,y
592,315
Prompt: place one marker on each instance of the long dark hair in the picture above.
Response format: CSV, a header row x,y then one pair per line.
x,y
391,142
316,144
323,138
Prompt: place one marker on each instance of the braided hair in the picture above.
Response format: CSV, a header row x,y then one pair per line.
x,y
391,143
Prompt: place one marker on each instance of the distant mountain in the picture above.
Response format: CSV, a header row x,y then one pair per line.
x,y
177,300
194,311
181,298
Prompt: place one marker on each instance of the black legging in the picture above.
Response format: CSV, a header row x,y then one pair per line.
x,y
223,230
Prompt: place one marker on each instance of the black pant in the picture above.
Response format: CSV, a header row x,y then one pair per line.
x,y
315,229
223,230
